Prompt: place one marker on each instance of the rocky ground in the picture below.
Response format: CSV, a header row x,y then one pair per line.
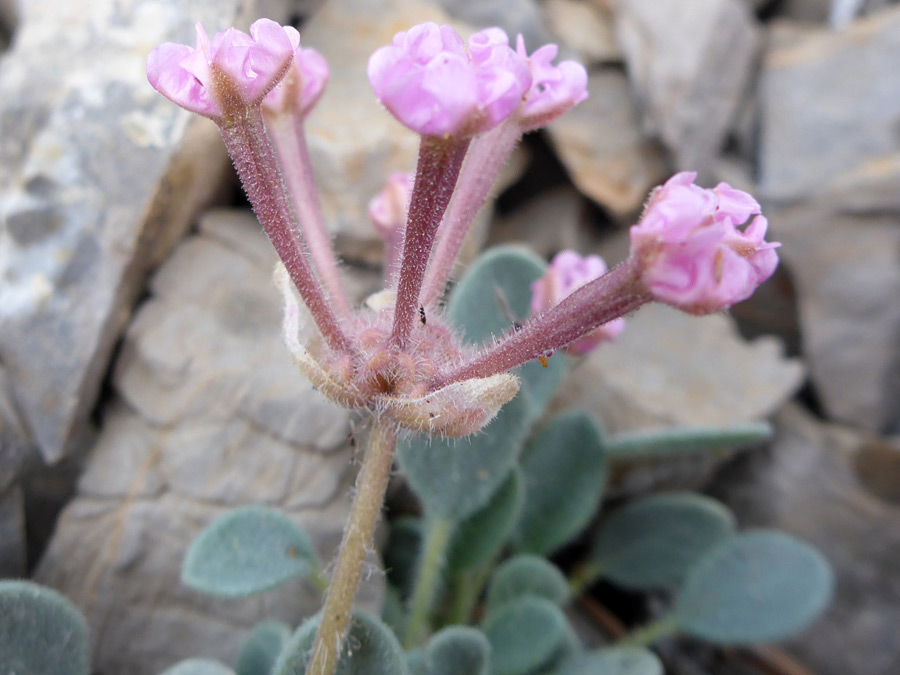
x,y
143,386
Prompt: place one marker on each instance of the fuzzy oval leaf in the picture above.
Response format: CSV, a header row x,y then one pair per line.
x,y
525,634
246,551
458,650
653,542
754,587
640,444
613,661
496,285
565,473
480,537
369,649
415,661
41,632
526,575
198,667
456,477
261,648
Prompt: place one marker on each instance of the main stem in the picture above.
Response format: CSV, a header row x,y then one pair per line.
x,y
433,555
440,160
357,541
248,144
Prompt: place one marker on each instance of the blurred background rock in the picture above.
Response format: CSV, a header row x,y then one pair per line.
x,y
143,387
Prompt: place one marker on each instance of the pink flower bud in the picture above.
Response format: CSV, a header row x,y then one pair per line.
x,y
568,272
388,209
689,248
554,89
431,84
304,83
231,71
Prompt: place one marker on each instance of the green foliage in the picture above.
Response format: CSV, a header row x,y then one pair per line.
x,y
565,472
246,551
653,542
261,648
415,661
635,445
496,284
198,667
393,611
454,478
402,553
41,632
480,537
613,661
525,634
526,575
458,650
369,649
754,587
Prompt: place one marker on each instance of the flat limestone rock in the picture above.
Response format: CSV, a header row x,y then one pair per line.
x,y
820,483
846,267
672,369
209,414
688,90
100,178
851,129
602,147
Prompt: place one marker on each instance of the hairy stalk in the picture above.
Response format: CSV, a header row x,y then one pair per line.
x,y
439,164
484,160
247,143
652,632
434,554
467,591
358,539
289,141
613,295
583,577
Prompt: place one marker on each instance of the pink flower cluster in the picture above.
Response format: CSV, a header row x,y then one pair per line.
x,y
567,273
689,248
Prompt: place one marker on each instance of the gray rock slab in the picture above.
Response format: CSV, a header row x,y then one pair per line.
x,y
847,270
851,129
100,177
688,90
15,446
209,413
602,147
585,28
813,484
671,369
513,16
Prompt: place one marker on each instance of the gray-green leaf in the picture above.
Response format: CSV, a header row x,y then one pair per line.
x,y
755,587
638,444
246,551
370,648
653,542
458,650
198,667
41,632
526,575
613,661
525,634
261,648
565,473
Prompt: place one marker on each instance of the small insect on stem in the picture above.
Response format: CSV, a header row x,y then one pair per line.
x,y
422,316
505,308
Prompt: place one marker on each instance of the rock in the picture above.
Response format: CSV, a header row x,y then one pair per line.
x,y
601,146
208,414
513,16
847,270
15,447
688,90
811,485
13,549
850,132
101,176
672,369
585,28
550,222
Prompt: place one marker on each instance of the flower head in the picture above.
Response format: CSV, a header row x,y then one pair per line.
x,y
230,71
304,83
692,254
431,84
554,89
567,273
387,210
